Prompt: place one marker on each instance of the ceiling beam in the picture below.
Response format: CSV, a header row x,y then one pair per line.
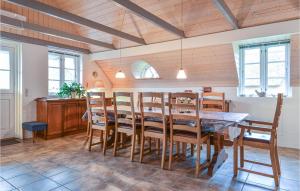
x,y
30,40
228,37
137,10
53,11
51,31
224,9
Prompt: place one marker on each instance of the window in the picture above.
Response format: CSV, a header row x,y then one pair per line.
x,y
62,68
264,69
142,70
5,70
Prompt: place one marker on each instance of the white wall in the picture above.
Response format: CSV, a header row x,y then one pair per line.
x,y
34,78
258,108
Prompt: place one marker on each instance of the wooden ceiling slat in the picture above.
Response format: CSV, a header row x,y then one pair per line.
x,y
75,18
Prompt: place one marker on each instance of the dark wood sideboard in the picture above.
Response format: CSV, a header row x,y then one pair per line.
x,y
62,115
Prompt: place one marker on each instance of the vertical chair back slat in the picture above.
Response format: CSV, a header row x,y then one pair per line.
x,y
278,111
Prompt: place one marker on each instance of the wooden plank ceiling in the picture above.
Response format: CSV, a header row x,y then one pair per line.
x,y
199,18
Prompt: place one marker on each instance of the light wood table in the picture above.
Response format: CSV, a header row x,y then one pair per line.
x,y
230,120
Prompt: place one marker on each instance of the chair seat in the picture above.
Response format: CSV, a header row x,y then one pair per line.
x,y
127,126
34,126
185,122
257,137
110,123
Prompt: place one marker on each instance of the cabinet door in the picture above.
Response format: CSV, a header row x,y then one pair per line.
x,y
82,110
55,119
71,116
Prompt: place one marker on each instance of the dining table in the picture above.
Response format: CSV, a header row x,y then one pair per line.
x,y
218,124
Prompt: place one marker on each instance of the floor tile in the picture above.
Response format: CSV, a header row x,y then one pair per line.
x,y
65,176
23,169
24,179
5,186
41,185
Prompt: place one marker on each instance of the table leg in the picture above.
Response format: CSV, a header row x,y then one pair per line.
x,y
220,154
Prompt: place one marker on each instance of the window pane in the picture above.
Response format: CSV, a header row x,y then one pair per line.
x,y
70,75
252,70
54,60
276,69
53,86
69,62
4,60
252,55
5,80
250,91
54,73
252,82
276,53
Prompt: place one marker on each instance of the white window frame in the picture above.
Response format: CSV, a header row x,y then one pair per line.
x,y
264,66
62,56
12,56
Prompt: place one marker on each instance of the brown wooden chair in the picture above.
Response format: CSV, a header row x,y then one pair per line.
x,y
213,101
267,139
126,122
185,127
98,118
154,121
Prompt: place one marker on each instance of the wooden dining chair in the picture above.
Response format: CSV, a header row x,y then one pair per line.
x,y
266,139
213,101
153,120
98,118
126,122
185,127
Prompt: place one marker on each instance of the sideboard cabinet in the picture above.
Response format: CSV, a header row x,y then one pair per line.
x,y
62,115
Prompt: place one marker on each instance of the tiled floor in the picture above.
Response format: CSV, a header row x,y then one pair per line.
x,y
65,164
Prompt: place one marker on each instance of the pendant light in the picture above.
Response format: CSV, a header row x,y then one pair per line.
x,y
181,73
120,74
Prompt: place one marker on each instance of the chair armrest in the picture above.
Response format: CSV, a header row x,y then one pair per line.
x,y
259,122
255,128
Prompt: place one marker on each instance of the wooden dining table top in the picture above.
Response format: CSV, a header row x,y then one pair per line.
x,y
210,115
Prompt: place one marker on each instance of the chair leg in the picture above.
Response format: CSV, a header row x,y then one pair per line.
x,y
274,165
177,149
33,136
164,149
115,142
242,156
157,146
170,153
192,149
235,157
150,144
277,160
91,139
105,141
208,150
132,147
142,147
198,160
184,145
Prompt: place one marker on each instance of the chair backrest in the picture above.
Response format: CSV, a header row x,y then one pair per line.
x,y
152,107
278,111
124,108
213,101
96,107
177,116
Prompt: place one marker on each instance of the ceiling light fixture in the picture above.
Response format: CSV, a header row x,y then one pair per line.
x,y
181,73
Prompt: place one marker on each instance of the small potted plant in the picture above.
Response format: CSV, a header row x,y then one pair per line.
x,y
72,90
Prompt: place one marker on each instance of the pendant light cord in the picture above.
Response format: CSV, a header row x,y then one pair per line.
x,y
182,29
120,40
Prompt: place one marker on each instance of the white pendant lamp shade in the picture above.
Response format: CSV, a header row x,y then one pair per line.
x,y
181,74
120,75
